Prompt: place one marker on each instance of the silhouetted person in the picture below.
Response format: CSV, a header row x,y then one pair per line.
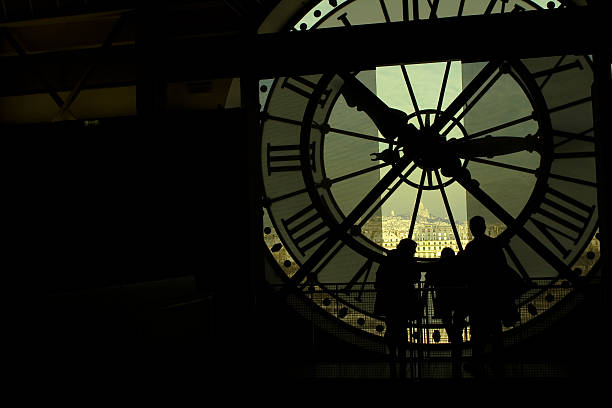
x,y
485,262
397,300
449,301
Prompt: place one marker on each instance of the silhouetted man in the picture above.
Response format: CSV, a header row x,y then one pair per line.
x,y
398,301
448,280
486,262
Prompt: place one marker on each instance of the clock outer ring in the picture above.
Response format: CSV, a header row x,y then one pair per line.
x,y
550,160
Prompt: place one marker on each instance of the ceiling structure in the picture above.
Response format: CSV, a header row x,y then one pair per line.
x,y
82,59
63,60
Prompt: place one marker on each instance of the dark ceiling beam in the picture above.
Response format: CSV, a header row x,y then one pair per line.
x,y
151,85
12,11
473,38
100,54
15,11
62,70
32,68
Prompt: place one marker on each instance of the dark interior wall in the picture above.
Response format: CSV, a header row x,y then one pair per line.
x,y
121,220
125,201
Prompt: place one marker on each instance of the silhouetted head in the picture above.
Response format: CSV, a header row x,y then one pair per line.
x,y
407,246
447,252
477,226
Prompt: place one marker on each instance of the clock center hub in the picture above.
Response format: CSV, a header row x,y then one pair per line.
x,y
429,154
429,148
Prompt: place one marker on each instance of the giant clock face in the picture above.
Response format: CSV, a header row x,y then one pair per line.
x,y
352,162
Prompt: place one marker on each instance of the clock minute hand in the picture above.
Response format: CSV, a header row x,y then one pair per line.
x,y
392,123
490,146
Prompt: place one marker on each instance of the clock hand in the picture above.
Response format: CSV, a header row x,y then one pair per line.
x,y
351,219
461,99
490,146
392,123
388,156
472,186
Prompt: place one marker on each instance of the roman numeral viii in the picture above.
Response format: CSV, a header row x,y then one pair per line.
x,y
561,218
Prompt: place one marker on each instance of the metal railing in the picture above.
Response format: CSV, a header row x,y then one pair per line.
x,y
355,306
348,314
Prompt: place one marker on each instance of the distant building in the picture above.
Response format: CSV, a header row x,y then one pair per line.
x,y
433,238
431,233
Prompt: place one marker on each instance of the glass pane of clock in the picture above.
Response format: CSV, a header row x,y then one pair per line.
x,y
347,153
502,111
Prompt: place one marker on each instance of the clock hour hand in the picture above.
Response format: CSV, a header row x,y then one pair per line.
x,y
392,123
490,146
